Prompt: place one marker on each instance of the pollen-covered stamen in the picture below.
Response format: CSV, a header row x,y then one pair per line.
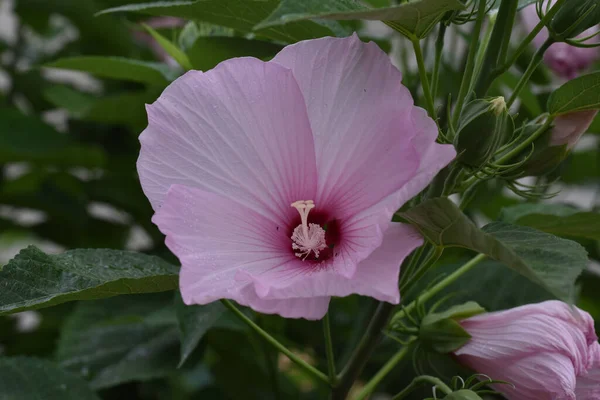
x,y
306,237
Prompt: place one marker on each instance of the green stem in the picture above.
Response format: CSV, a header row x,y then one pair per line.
x,y
535,61
528,39
386,369
424,80
419,380
490,61
273,342
439,47
362,352
329,350
470,67
441,285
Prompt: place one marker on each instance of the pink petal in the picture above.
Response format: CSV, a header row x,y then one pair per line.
x,y
588,384
377,276
535,377
220,244
359,112
239,130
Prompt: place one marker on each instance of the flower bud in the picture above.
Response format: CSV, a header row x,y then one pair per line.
x,y
442,333
546,351
574,17
484,126
463,394
552,146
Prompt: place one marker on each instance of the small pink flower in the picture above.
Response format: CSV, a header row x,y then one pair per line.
x,y
565,60
275,182
568,128
548,351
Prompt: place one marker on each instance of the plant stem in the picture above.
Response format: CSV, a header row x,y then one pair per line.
x,y
535,61
362,352
441,285
329,350
439,47
470,67
528,39
510,22
392,362
490,61
272,341
424,80
419,380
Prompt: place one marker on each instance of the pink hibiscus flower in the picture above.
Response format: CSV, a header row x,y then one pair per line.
x,y
275,182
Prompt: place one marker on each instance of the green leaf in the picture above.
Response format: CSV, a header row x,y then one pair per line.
x,y
194,322
174,51
31,378
579,94
241,15
34,279
547,260
26,138
118,68
121,108
120,339
556,219
581,167
414,18
206,52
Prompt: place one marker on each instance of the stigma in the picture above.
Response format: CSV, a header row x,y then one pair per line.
x,y
307,238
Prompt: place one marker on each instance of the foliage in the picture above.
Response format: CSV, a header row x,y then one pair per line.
x,y
89,306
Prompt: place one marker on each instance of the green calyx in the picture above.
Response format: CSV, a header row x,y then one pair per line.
x,y
574,17
442,332
544,158
485,125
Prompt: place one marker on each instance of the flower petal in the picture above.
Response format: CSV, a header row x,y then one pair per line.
x,y
359,112
588,384
377,276
239,130
222,246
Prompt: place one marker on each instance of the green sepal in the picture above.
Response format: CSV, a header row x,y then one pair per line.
x,y
442,333
463,394
485,125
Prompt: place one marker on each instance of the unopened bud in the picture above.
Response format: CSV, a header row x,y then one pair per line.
x,y
574,17
485,125
553,146
463,394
